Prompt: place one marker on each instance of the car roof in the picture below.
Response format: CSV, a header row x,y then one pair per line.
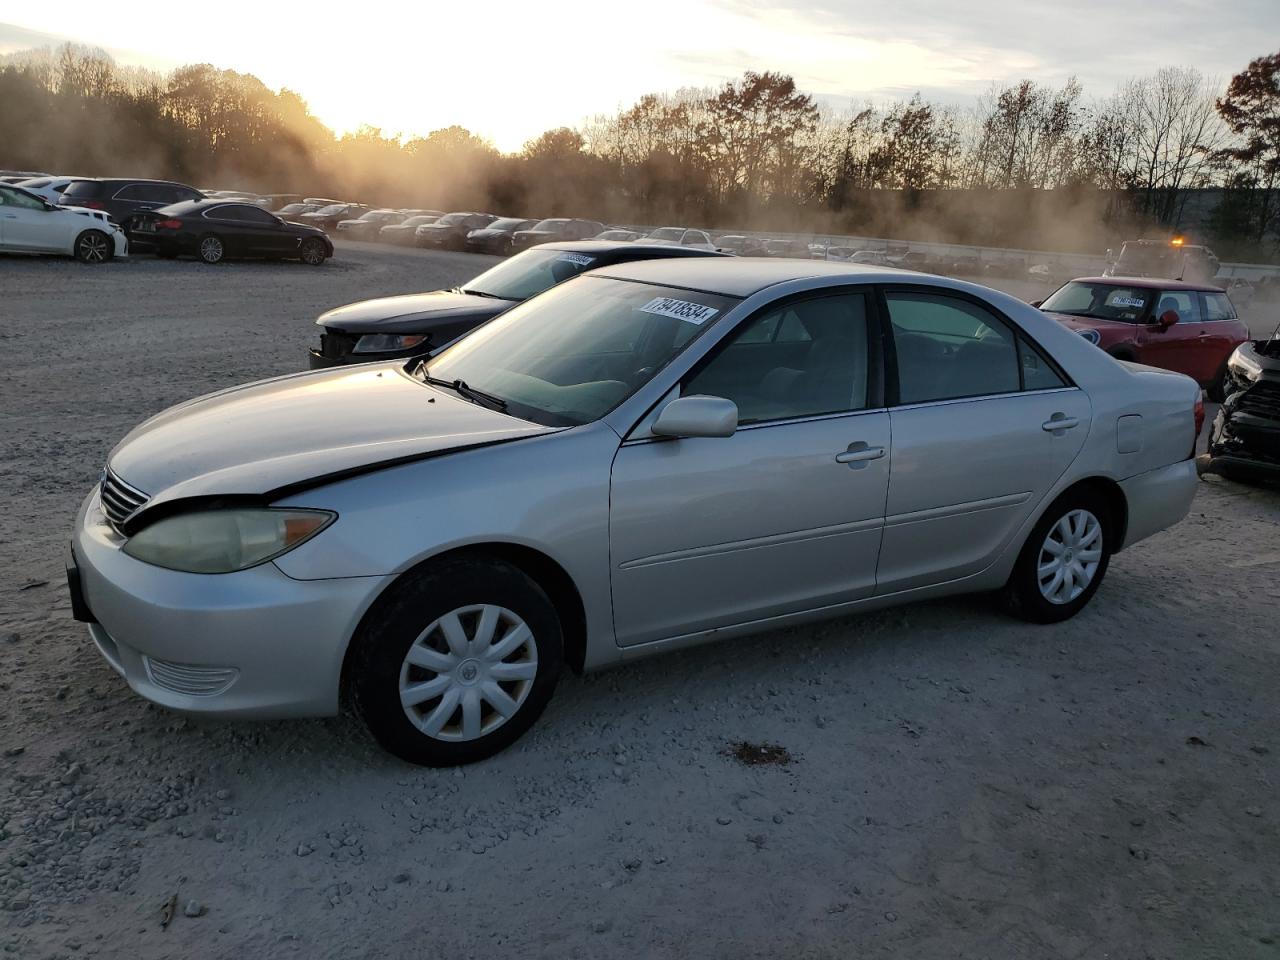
x,y
1152,283
605,247
736,277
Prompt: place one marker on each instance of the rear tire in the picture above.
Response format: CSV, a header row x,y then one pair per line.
x,y
211,249
312,252
93,246
1063,560
456,662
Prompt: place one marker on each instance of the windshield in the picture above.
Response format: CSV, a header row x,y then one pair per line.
x,y
507,223
667,233
1103,301
529,273
549,224
576,352
451,218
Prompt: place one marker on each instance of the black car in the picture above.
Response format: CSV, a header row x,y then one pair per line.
x,y
328,218
742,246
366,226
1244,441
413,325
496,237
450,231
121,199
550,231
217,230
292,211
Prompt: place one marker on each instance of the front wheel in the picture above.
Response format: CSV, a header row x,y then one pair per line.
x,y
93,246
1063,560
312,252
211,248
457,662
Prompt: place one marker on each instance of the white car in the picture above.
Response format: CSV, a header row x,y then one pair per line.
x,y
47,188
30,224
679,237
650,455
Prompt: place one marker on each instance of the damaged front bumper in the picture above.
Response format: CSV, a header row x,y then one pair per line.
x,y
1245,437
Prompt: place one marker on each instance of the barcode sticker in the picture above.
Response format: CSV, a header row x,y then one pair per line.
x,y
695,313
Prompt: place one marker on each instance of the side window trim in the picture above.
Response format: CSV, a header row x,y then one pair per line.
x,y
890,353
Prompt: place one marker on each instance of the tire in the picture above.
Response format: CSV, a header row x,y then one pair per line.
x,y
1074,513
93,246
312,252
211,249
470,598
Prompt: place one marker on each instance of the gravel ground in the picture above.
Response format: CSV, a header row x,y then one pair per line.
x,y
952,783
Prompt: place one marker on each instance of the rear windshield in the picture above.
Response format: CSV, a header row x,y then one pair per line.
x,y
528,274
550,224
81,188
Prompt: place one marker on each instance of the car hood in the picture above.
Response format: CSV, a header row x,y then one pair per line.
x,y
1093,323
412,313
270,437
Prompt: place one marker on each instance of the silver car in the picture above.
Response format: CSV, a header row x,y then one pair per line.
x,y
643,458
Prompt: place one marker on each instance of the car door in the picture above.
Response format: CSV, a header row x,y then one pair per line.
x,y
983,425
783,516
27,224
1220,330
264,236
1179,347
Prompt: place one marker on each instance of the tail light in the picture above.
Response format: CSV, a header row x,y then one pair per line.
x,y
1199,413
91,204
169,225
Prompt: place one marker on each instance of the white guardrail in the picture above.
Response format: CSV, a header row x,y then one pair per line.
x,y
1078,264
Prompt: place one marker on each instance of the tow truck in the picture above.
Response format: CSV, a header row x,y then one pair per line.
x,y
1172,259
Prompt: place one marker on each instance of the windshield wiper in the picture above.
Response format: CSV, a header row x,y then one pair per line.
x,y
461,388
482,293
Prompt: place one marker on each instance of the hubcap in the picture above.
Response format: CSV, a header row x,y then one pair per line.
x,y
468,673
1070,556
211,248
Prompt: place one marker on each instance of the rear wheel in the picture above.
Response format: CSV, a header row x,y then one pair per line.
x,y
1063,560
93,246
211,249
457,662
312,252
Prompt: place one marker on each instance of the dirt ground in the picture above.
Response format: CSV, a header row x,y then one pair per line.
x,y
952,783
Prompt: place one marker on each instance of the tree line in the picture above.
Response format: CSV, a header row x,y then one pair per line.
x,y
1027,165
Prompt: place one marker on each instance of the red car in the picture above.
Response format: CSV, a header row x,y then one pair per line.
x,y
1188,327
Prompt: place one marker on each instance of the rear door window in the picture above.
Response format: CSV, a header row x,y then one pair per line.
x,y
1217,306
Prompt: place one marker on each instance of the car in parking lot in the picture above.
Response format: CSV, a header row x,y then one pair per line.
x,y
31,224
292,212
450,231
217,230
618,233
646,457
121,198
327,218
367,225
404,233
496,237
741,245
1187,327
1244,440
681,237
49,188
554,229
416,324
786,248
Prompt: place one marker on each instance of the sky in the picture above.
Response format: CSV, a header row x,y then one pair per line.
x,y
510,69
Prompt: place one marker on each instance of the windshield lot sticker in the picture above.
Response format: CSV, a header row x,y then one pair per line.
x,y
695,313
1126,301
580,259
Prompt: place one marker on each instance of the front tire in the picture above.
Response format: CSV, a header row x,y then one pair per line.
x,y
1063,561
93,246
456,662
211,248
312,252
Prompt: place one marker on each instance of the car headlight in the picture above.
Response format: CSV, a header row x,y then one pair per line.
x,y
224,541
1243,366
386,342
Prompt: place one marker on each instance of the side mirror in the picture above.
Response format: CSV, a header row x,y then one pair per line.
x,y
697,417
1036,303
1167,319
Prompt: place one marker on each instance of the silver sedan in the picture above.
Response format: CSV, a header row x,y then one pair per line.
x,y
643,458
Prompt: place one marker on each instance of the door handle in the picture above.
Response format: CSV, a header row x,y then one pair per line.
x,y
1059,421
858,453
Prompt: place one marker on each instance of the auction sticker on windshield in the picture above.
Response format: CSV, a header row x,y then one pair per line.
x,y
580,259
695,313
1121,300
